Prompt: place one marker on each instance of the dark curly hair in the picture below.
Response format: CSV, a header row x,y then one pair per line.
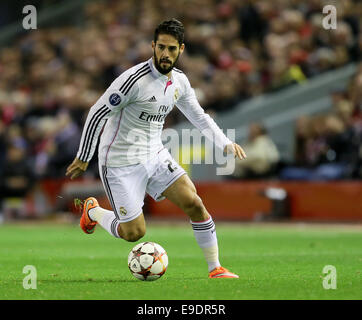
x,y
172,27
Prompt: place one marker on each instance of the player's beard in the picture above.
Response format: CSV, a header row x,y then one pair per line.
x,y
158,64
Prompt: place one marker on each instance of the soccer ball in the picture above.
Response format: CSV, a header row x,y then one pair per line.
x,y
148,261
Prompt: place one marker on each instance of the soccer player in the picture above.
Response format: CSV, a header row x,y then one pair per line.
x,y
132,158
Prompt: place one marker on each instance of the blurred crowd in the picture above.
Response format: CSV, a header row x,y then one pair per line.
x,y
328,146
235,50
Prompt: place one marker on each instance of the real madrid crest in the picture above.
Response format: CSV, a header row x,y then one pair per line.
x,y
176,95
122,211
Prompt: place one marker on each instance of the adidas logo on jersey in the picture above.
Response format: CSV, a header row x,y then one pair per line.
x,y
153,99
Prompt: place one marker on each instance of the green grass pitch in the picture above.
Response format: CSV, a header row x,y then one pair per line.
x,y
273,261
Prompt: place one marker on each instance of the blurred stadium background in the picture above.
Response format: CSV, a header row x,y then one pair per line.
x,y
290,88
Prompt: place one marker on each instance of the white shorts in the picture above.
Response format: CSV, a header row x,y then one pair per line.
x,y
126,186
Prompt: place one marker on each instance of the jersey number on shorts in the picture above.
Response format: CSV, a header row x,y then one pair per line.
x,y
169,165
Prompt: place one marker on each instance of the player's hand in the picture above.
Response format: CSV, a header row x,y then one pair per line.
x,y
235,149
76,168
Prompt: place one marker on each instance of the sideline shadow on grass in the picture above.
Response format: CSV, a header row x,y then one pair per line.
x,y
115,280
88,280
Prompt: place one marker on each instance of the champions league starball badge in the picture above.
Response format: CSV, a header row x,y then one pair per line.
x,y
115,99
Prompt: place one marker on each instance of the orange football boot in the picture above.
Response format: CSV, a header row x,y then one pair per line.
x,y
86,223
221,272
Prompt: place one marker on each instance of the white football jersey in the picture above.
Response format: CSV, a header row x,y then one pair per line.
x,y
133,109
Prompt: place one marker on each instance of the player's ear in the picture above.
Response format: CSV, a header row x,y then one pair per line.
x,y
153,45
182,48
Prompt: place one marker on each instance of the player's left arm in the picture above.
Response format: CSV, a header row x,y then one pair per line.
x,y
190,107
236,150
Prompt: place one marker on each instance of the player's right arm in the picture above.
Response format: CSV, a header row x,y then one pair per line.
x,y
111,101
96,118
76,168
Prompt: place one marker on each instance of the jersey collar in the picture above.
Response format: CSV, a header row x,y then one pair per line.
x,y
156,73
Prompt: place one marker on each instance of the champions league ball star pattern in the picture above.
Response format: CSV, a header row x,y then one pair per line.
x,y
148,261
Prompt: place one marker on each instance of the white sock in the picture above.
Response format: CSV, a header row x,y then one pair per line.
x,y
205,235
106,219
97,213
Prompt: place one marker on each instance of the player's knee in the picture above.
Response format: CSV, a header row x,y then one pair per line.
x,y
134,235
193,203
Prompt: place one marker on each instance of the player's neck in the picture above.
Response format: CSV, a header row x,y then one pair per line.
x,y
168,75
